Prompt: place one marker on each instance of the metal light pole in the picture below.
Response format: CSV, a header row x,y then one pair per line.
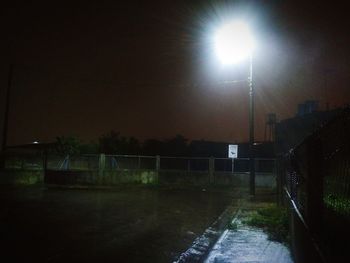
x,y
233,42
251,129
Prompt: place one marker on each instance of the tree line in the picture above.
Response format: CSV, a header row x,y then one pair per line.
x,y
117,144
114,143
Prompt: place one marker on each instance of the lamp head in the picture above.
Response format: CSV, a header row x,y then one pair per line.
x,y
233,42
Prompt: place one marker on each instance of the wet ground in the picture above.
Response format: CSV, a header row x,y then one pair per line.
x,y
120,225
238,242
246,245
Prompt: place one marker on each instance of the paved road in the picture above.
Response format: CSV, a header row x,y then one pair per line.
x,y
124,225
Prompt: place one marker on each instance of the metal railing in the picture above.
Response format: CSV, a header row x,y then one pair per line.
x,y
190,164
134,162
128,162
316,176
24,162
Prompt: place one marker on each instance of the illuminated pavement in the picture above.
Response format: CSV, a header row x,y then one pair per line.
x,y
242,245
247,244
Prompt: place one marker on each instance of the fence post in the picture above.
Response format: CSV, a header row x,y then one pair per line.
x,y
45,160
315,170
2,160
157,169
157,162
44,164
279,171
67,162
211,170
101,165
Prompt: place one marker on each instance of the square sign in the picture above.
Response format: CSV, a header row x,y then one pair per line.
x,y
232,151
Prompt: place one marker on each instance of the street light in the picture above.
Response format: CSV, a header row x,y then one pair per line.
x,y
233,43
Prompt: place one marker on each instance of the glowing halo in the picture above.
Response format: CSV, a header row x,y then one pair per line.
x,y
233,42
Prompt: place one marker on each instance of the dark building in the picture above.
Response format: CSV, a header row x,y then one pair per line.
x,y
291,132
307,107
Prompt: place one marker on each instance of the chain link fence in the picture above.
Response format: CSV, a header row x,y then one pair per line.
x,y
133,162
316,178
24,161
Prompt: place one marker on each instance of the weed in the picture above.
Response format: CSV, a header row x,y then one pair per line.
x,y
274,220
233,225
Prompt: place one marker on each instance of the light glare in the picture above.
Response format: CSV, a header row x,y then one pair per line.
x,y
233,42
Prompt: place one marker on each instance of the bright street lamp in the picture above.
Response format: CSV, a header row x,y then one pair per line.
x,y
233,43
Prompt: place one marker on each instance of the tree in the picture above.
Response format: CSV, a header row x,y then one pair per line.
x,y
89,148
177,146
134,146
109,143
113,143
67,145
153,147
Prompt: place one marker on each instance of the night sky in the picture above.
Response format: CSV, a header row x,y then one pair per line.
x,y
147,68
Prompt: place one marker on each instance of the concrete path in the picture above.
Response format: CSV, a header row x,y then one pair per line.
x,y
247,244
239,243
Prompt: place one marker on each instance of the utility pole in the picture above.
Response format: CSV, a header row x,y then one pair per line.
x,y
7,108
251,131
326,74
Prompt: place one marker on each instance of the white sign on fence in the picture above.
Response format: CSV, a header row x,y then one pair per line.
x,y
232,151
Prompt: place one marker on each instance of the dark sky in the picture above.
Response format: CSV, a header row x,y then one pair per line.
x,y
147,69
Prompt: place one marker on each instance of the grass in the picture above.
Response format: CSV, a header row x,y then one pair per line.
x,y
274,220
338,204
